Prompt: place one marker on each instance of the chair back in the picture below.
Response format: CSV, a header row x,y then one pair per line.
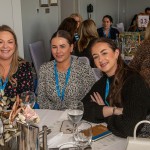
x,y
84,59
120,27
38,55
97,73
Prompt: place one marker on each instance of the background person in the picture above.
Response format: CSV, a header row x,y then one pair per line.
x,y
107,30
65,80
87,31
120,97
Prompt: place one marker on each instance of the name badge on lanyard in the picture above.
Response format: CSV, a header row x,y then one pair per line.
x,y
61,93
107,91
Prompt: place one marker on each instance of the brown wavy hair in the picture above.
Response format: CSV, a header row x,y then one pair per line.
x,y
115,90
14,63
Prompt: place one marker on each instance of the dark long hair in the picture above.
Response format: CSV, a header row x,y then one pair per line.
x,y
115,89
109,17
69,24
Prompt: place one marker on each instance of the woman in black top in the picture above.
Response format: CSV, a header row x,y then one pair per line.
x,y
107,30
120,97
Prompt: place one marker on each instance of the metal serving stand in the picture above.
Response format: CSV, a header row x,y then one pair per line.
x,y
29,138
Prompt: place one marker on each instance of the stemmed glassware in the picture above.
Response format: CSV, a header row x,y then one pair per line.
x,y
69,146
1,128
75,113
28,98
28,101
83,135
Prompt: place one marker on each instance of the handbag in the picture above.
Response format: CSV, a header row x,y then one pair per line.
x,y
136,143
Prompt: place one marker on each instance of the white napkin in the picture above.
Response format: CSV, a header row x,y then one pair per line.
x,y
59,139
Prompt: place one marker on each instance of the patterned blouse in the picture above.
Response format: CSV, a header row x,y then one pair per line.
x,y
80,82
24,80
141,60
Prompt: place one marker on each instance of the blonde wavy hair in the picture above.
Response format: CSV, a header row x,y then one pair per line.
x,y
87,31
15,62
76,15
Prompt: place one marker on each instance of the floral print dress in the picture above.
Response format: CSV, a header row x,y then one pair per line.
x,y
24,81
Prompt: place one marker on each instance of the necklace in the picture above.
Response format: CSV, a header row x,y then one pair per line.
x,y
3,85
61,93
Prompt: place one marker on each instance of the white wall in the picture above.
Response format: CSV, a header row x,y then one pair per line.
x,y
106,7
65,10
10,14
38,25
120,10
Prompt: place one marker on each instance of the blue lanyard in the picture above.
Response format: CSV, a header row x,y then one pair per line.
x,y
107,91
3,85
61,94
109,36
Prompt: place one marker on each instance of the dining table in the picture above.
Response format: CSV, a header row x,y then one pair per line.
x,y
53,120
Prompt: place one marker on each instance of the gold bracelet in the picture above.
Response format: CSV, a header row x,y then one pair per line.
x,y
114,108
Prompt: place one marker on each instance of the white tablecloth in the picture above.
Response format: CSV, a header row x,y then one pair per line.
x,y
53,120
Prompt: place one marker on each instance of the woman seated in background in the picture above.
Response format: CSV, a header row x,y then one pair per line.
x,y
120,97
141,60
65,80
107,30
87,32
135,27
15,73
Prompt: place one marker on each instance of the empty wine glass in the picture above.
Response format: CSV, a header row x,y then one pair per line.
x,y
28,98
28,101
75,113
83,135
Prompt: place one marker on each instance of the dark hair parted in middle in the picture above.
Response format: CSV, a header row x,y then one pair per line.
x,y
63,34
109,17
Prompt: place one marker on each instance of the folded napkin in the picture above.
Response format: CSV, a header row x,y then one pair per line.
x,y
57,140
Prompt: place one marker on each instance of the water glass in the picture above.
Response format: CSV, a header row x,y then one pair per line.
x,y
83,134
75,112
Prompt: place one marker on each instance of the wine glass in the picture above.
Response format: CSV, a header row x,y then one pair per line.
x,y
28,101
75,113
28,98
1,128
83,135
69,146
